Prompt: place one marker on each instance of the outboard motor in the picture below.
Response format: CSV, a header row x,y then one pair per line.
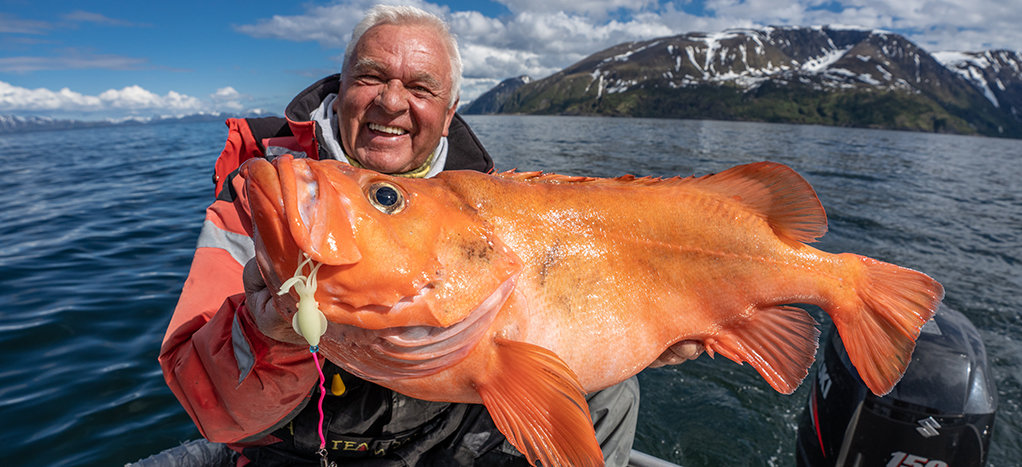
x,y
940,414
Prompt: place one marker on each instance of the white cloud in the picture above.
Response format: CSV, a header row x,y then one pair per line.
x,y
228,93
131,98
329,25
137,98
483,61
228,99
540,44
18,98
595,8
134,100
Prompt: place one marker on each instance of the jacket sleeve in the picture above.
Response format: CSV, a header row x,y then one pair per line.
x,y
235,382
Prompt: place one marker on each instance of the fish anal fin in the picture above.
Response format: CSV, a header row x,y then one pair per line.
x,y
777,192
539,405
779,342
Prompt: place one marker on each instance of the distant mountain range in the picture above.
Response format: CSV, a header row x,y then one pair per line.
x,y
821,75
14,123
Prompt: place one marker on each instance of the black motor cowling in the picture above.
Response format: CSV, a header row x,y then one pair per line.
x,y
940,414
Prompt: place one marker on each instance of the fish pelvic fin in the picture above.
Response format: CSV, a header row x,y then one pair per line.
x,y
880,334
775,191
779,342
537,402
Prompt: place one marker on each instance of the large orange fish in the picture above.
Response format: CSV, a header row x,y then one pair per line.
x,y
523,291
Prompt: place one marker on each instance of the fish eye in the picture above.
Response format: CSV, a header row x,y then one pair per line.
x,y
386,198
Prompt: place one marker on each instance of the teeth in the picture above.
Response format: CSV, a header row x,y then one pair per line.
x,y
386,129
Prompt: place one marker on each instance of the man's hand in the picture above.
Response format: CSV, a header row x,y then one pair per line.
x,y
263,306
678,353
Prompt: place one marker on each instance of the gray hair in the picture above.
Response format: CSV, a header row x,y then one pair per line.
x,y
401,15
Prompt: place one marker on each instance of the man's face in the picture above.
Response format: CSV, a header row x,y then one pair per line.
x,y
394,97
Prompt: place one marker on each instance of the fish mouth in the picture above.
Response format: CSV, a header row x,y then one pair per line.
x,y
412,351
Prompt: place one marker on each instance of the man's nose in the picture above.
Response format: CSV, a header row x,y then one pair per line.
x,y
393,96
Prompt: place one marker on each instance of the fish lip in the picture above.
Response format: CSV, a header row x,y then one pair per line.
x,y
413,351
296,202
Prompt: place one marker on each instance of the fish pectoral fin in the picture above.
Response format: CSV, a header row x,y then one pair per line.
x,y
779,342
537,402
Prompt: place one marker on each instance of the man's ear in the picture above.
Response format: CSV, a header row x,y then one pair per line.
x,y
450,116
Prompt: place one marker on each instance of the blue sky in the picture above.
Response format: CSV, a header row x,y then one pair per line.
x,y
114,59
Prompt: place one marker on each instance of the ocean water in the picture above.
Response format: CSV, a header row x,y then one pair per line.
x,y
97,229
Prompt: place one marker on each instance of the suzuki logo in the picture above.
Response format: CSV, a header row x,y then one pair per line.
x,y
928,427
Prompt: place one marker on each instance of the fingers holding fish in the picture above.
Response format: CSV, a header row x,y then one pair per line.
x,y
678,353
268,308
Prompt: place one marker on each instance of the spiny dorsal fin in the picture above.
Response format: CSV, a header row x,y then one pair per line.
x,y
781,195
538,403
778,193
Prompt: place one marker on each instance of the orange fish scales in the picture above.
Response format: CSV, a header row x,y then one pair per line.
x,y
523,290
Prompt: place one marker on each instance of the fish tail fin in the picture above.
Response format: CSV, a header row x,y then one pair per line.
x,y
779,342
539,405
880,335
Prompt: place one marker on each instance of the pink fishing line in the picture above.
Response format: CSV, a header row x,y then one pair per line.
x,y
322,395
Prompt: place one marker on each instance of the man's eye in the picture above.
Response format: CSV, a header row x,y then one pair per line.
x,y
421,91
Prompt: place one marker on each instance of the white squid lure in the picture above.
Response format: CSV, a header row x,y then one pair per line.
x,y
309,321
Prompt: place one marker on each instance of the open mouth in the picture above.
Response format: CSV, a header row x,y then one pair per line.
x,y
413,351
390,130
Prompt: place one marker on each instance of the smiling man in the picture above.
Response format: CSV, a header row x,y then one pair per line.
x,y
236,364
397,97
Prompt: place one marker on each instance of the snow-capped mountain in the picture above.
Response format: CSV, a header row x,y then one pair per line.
x,y
11,123
823,75
996,73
